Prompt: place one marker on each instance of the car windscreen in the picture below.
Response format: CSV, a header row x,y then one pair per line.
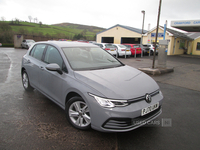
x,y
109,46
90,58
30,41
128,46
122,46
136,46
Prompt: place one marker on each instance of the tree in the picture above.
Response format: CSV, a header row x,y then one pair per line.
x,y
3,19
16,21
30,18
35,20
40,23
6,33
23,31
79,37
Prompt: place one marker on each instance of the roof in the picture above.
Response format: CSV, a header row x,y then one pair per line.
x,y
193,35
178,34
68,44
173,33
126,27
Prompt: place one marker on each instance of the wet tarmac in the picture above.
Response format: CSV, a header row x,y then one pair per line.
x,y
29,120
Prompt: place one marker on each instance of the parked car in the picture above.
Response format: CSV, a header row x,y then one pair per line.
x,y
63,40
0,44
27,43
108,47
147,47
84,41
133,48
94,88
122,50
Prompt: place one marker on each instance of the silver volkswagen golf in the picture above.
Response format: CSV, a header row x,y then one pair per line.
x,y
93,87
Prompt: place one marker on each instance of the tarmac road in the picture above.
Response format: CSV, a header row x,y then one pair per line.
x,y
29,120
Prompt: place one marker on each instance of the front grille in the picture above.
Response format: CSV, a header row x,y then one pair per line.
x,y
127,123
142,97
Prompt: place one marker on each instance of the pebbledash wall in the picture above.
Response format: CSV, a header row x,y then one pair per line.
x,y
196,46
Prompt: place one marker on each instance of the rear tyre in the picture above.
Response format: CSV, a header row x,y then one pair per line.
x,y
77,113
25,82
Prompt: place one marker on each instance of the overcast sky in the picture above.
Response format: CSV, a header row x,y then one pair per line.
x,y
101,13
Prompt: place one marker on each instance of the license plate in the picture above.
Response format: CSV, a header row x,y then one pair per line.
x,y
149,109
111,50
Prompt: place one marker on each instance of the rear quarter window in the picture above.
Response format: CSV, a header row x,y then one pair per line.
x,y
37,51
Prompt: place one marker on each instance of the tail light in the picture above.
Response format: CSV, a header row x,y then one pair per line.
x,y
107,49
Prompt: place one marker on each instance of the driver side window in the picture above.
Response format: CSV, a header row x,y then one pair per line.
x,y
53,56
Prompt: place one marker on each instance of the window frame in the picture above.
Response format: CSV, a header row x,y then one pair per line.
x,y
63,62
198,46
33,50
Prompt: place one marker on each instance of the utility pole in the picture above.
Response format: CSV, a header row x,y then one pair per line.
x,y
142,31
154,54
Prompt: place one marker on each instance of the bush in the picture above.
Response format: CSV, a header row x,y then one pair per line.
x,y
7,45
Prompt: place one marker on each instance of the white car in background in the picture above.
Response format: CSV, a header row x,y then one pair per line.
x,y
27,43
122,50
108,47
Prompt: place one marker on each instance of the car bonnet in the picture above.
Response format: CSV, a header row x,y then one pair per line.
x,y
118,83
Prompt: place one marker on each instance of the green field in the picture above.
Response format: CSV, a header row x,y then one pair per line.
x,y
67,31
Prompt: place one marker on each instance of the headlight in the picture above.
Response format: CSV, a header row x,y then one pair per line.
x,y
109,102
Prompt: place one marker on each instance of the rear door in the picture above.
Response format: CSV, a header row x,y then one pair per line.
x,y
33,64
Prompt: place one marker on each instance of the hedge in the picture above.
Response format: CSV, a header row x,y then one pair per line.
x,y
7,45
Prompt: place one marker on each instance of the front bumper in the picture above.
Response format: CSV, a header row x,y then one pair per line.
x,y
122,119
127,124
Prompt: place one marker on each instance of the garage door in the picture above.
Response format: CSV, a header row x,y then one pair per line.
x,y
130,40
107,40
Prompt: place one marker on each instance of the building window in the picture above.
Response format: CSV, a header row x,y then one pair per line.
x,y
182,44
198,46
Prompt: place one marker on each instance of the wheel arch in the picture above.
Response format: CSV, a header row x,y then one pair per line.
x,y
22,70
70,95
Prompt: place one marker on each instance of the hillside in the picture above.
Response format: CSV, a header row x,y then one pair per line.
x,y
63,30
79,26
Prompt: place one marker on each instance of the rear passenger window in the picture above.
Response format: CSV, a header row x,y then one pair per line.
x,y
37,51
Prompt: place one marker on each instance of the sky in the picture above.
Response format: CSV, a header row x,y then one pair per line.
x,y
101,13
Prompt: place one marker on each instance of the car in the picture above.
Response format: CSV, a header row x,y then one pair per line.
x,y
108,47
122,50
0,44
149,48
26,43
94,88
63,40
134,48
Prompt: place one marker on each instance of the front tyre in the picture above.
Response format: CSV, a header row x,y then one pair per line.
x,y
78,114
25,81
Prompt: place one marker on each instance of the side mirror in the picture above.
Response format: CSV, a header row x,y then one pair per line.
x,y
54,67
